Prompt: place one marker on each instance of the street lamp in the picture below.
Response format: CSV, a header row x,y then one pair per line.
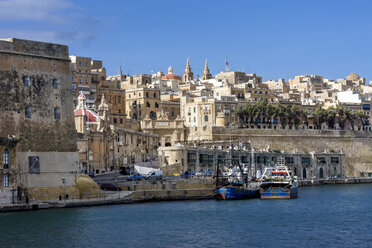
x,y
64,186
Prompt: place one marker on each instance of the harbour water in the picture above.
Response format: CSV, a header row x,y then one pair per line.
x,y
322,216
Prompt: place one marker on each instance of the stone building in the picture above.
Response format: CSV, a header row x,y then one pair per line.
x,y
86,76
203,158
141,102
105,144
9,172
36,108
306,83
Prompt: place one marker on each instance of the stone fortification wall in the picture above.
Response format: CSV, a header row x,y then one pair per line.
x,y
356,145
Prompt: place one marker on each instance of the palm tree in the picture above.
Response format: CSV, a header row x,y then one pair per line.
x,y
341,115
331,117
362,117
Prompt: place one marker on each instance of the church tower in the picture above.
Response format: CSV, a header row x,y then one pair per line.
x,y
206,74
188,75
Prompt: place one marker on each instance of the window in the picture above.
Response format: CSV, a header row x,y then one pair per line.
x,y
206,118
57,113
26,81
147,94
81,80
73,87
86,64
154,95
6,159
305,160
156,105
194,119
34,164
86,80
72,78
6,180
129,96
148,104
115,121
55,83
28,111
121,121
79,63
194,109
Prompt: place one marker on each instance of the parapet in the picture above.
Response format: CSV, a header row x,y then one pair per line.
x,y
34,48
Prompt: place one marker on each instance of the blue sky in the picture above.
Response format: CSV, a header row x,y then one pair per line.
x,y
275,39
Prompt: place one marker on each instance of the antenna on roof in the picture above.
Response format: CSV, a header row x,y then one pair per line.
x,y
227,65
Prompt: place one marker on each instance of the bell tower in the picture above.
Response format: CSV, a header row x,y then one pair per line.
x,y
187,75
206,74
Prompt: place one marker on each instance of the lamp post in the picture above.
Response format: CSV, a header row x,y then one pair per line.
x,y
64,186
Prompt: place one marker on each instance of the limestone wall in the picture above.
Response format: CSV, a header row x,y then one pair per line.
x,y
53,167
357,145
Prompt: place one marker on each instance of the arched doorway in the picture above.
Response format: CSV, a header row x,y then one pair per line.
x,y
321,173
304,173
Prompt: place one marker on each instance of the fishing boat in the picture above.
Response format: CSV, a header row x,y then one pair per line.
x,y
237,183
277,183
238,190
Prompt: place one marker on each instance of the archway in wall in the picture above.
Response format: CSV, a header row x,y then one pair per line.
x,y
168,144
304,173
321,173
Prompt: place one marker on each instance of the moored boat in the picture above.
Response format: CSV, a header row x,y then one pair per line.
x,y
238,190
277,183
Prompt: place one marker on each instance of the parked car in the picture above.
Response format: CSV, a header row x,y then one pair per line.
x,y
110,187
156,174
135,177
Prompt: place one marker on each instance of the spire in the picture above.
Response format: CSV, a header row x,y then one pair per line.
x,y
188,75
170,70
206,74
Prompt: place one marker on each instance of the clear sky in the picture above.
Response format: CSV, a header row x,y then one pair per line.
x,y
275,39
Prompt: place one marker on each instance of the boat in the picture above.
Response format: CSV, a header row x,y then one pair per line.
x,y
237,184
277,183
238,190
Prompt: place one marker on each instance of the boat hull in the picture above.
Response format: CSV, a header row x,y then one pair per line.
x,y
279,193
236,193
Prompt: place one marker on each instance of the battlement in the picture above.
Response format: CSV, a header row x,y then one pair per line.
x,y
34,48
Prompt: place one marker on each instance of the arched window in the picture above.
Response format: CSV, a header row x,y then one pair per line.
x,y
321,173
57,113
148,104
6,159
156,105
28,111
6,180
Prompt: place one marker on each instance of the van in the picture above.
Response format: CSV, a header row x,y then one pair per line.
x,y
156,174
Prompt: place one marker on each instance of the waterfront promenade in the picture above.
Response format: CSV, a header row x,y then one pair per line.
x,y
145,191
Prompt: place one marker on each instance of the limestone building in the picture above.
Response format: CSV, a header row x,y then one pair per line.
x,y
36,108
86,76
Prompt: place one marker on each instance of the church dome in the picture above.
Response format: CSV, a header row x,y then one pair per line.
x,y
353,77
170,75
